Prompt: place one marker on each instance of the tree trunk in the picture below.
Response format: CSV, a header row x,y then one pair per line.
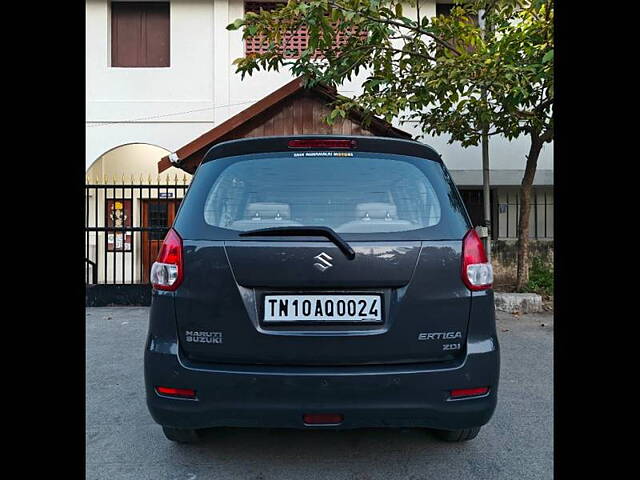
x,y
525,204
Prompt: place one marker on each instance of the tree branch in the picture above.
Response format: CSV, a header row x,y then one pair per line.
x,y
385,21
543,105
547,136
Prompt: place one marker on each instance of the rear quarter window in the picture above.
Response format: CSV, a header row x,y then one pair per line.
x,y
357,194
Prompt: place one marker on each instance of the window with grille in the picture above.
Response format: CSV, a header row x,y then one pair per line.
x,y
295,42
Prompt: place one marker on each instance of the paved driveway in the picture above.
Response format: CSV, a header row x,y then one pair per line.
x,y
123,442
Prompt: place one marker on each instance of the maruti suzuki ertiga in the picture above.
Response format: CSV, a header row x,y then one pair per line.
x,y
322,282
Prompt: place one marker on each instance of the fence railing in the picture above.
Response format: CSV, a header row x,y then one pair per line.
x,y
125,224
506,215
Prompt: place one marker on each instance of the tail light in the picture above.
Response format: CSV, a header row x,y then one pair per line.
x,y
348,144
477,272
167,271
177,392
469,392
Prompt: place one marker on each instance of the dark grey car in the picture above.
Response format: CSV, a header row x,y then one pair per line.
x,y
322,282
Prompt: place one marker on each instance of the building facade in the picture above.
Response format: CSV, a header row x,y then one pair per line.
x,y
160,74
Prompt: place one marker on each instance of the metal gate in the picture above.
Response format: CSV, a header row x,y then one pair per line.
x,y
125,224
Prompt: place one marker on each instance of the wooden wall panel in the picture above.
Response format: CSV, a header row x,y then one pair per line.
x,y
307,115
140,34
157,29
126,35
296,116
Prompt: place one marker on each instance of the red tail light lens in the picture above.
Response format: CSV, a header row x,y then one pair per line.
x,y
177,392
469,392
167,271
477,272
322,418
348,144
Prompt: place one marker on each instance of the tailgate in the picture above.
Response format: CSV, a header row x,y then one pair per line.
x,y
221,315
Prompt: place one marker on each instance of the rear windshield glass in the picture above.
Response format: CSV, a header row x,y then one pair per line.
x,y
359,194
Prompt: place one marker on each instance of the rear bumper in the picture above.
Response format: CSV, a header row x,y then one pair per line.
x,y
367,396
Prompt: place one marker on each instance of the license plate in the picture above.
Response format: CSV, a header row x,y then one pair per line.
x,y
322,308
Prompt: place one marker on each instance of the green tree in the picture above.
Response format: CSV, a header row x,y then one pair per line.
x,y
445,73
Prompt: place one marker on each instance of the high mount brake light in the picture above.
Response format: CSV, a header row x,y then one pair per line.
x,y
477,272
167,271
347,144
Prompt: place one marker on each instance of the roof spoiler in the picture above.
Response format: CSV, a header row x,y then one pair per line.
x,y
362,143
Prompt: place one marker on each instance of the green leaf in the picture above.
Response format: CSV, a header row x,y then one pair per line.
x,y
548,57
236,24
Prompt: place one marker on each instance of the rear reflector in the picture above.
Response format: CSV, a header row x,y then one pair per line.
x,y
177,392
322,144
469,392
323,418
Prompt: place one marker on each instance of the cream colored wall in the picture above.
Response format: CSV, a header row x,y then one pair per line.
x,y
136,160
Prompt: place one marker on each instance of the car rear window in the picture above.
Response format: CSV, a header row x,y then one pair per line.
x,y
358,194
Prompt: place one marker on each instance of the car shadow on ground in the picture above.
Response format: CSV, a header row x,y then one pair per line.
x,y
269,442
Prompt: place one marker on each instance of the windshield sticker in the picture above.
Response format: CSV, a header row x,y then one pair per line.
x,y
323,154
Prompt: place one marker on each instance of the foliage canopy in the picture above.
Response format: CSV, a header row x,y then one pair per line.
x,y
429,70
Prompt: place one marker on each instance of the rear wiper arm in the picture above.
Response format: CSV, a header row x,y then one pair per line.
x,y
304,232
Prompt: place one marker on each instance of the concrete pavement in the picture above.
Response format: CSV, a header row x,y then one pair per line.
x,y
123,442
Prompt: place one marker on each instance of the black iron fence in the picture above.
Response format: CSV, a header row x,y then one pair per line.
x,y
125,224
506,214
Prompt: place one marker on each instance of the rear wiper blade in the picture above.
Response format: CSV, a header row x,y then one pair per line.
x,y
304,232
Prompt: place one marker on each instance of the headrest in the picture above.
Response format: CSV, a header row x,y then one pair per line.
x,y
264,210
376,210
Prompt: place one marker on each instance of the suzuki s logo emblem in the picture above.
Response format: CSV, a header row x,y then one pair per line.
x,y
323,262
